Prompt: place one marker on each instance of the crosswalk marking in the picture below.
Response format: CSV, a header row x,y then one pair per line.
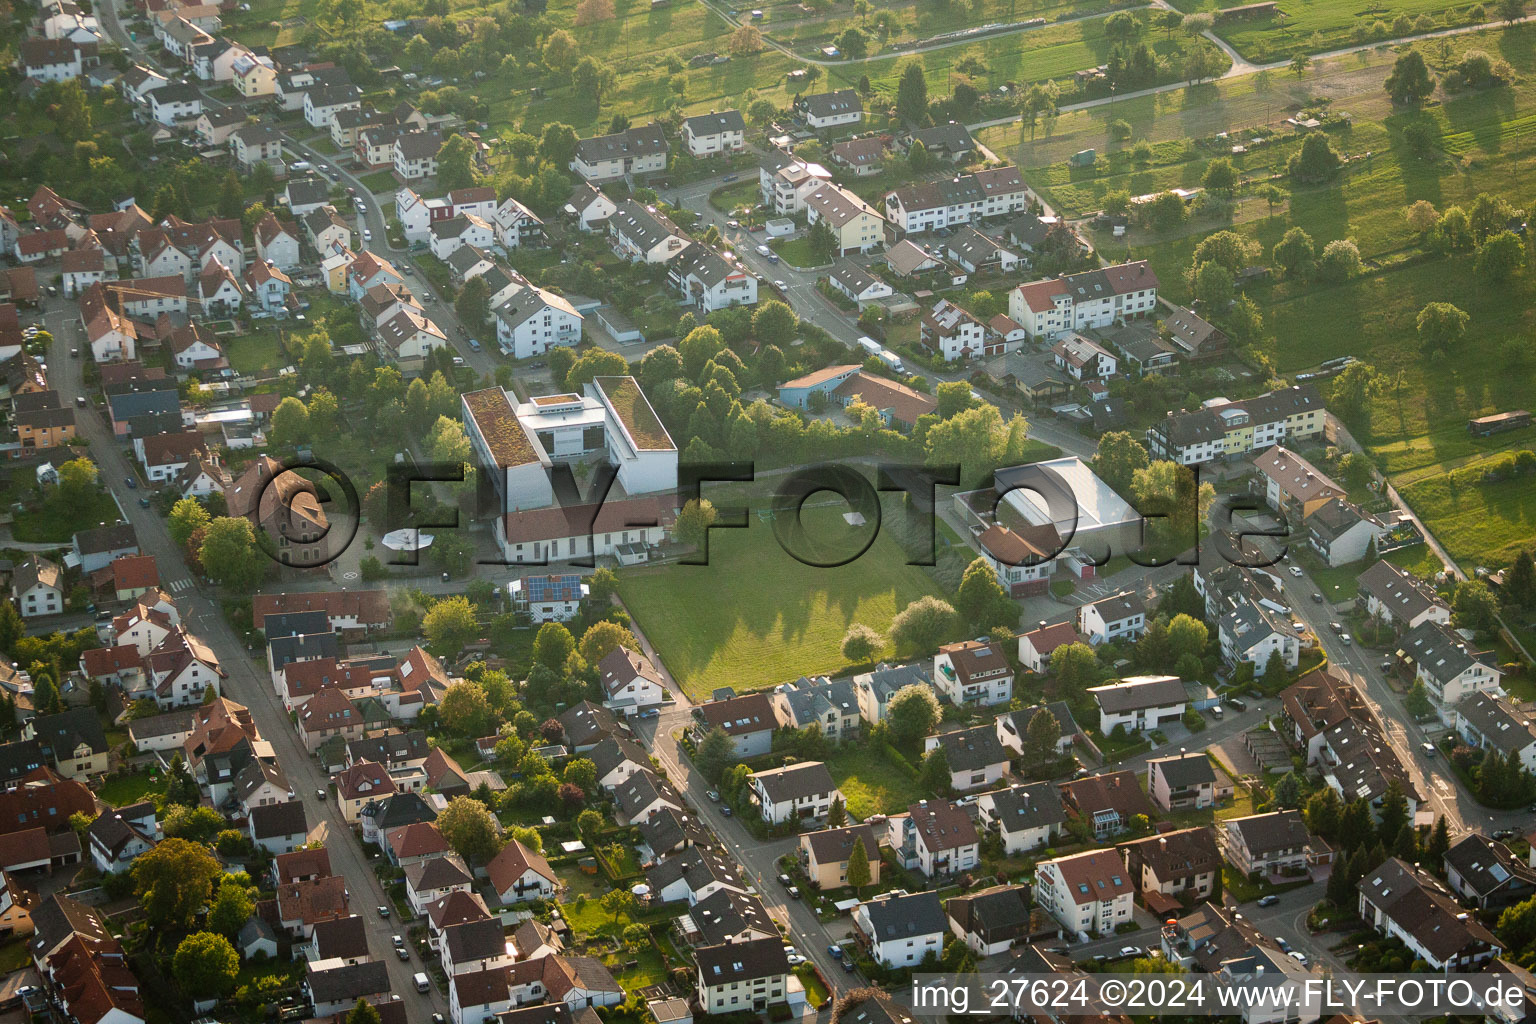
x,y
177,586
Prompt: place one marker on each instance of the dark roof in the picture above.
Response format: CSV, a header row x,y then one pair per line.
x,y
1420,904
106,538
907,916
638,140
474,940
269,821
1438,650
952,137
726,914
586,723
831,104
390,748
350,981
1276,830
995,914
58,735
741,961
399,809
835,845
343,937
1486,865
1139,692
1036,805
643,788
1183,770
714,123
740,716
972,749
795,781
615,751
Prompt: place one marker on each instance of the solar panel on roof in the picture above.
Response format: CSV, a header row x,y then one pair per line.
x,y
566,587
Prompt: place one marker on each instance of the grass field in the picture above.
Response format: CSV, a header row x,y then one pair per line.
x,y
755,617
870,784
121,790
1317,26
253,353
1418,429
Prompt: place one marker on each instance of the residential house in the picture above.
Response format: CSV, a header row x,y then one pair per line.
x,y
749,721
1139,703
832,705
975,756
1109,802
715,133
534,320
361,783
1498,726
178,101
973,672
1173,867
952,202
796,791
414,843
694,875
978,253
861,157
589,206
876,687
857,283
518,874
1226,430
1026,817
1408,903
1274,843
1037,646
951,332
785,181
1341,532
1291,484
902,929
617,759
936,837
268,286
117,837
990,921
1120,617
710,281
635,151
855,224
1443,660
432,879
1082,358
1487,874
899,406
823,110
742,976
1089,893
1091,299
1184,781
1396,596
824,855
279,828
335,987
51,60
37,587
950,141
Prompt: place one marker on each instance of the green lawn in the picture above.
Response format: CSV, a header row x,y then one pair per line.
x,y
870,784
797,252
379,182
121,790
56,521
815,991
255,353
1320,25
755,617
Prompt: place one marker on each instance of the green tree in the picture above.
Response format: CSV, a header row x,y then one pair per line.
x,y
954,397
290,423
774,323
1438,845
1316,161
1441,325
596,363
363,1012
934,773
1120,454
823,241
174,881
1519,583
1500,257
1075,667
560,53
923,625
186,518
1299,64
1417,702
1220,176
861,643
716,752
1340,261
450,624
1214,288
693,522
470,828
918,157
205,964
837,814
602,638
1041,737
231,909
1473,607
553,646
913,711
912,93
229,554
1288,791
1410,81
858,865
981,599
617,902
474,303
592,78
1295,254
581,773
465,709
77,481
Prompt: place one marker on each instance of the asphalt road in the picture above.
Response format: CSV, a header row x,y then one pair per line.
x,y
248,682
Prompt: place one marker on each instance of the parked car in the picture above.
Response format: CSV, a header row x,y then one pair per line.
x,y
1337,627
1504,834
402,953
794,893
1345,637
763,250
1238,702
1317,598
836,951
143,503
80,401
74,353
383,910
1294,570
1298,956
1429,749
133,484
474,345
785,881
726,810
1268,901
714,796
1129,951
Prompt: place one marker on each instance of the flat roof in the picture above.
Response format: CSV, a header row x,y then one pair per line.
x,y
635,414
583,412
494,417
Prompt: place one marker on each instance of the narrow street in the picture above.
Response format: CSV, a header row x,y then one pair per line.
x,y
248,682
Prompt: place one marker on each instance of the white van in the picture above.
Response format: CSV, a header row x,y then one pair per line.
x,y
422,983
1216,711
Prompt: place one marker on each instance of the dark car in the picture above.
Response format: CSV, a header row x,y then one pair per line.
x,y
836,951
133,484
1238,702
1317,598
1268,901
848,967
143,503
726,810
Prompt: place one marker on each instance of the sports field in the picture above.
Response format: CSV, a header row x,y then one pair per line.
x,y
755,616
